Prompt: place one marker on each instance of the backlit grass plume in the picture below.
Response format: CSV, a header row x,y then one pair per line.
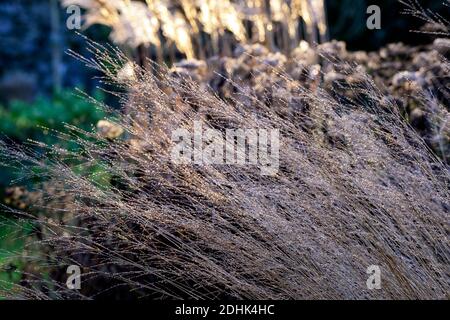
x,y
204,28
356,187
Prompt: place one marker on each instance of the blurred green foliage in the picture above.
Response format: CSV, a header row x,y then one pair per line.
x,y
20,122
13,233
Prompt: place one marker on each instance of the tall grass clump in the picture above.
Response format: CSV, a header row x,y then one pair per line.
x,y
356,187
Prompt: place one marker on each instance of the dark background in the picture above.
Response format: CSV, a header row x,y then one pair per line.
x,y
347,22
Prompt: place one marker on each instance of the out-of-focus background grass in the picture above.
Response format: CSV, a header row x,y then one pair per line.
x,y
38,80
